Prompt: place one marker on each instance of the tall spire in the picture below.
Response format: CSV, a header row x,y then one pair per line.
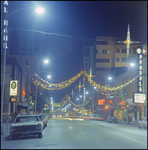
x,y
128,41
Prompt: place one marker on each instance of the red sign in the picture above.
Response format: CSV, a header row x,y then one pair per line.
x,y
108,101
122,102
101,102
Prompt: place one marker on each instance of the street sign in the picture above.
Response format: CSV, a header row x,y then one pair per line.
x,y
56,105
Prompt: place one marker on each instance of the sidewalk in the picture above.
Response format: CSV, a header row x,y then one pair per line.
x,y
126,122
6,130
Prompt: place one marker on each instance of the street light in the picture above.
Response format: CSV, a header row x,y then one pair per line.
x,y
132,64
5,38
48,76
110,78
46,61
40,10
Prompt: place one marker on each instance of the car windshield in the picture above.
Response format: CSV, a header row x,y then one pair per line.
x,y
26,119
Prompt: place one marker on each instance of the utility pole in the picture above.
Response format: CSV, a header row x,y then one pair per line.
x,y
36,95
122,100
5,38
28,110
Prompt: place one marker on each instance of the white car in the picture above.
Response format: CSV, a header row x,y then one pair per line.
x,y
27,125
143,123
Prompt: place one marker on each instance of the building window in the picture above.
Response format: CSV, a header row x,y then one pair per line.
x,y
101,42
117,59
102,60
108,51
104,51
100,51
86,59
118,50
124,60
86,64
123,50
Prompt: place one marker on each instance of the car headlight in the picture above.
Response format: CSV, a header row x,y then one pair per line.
x,y
11,129
39,126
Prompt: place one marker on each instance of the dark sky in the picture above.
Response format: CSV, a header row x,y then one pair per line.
x,y
80,20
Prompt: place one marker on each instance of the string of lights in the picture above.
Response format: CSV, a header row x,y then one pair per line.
x,y
58,86
109,89
64,84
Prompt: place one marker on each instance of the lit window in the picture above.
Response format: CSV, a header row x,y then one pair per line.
x,y
100,51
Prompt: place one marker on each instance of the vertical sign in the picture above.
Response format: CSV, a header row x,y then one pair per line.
x,y
5,32
141,52
84,94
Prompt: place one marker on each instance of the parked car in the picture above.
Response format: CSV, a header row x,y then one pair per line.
x,y
143,123
112,119
27,125
97,117
44,118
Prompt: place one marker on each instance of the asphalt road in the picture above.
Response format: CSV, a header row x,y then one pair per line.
x,y
74,133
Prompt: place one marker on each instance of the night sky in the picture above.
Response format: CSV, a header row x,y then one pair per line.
x,y
80,21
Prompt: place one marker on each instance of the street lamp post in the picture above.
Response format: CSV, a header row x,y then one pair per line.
x,y
45,61
28,110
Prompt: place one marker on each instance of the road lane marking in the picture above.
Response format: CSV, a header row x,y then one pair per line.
x,y
82,132
98,143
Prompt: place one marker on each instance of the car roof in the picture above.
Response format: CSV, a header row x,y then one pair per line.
x,y
26,115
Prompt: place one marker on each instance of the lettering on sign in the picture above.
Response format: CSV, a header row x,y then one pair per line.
x,y
139,98
140,69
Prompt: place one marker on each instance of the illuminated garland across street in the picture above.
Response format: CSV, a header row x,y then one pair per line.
x,y
67,99
58,86
64,84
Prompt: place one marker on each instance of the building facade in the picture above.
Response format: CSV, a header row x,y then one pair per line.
x,y
110,59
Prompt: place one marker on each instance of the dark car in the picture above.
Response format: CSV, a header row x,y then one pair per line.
x,y
112,119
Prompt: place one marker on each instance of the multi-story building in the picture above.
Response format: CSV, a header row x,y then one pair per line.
x,y
109,59
24,51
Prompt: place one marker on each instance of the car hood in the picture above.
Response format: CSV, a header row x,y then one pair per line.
x,y
26,123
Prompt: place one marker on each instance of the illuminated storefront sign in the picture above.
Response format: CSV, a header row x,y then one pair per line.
x,y
122,102
108,101
141,53
13,99
139,98
13,88
101,102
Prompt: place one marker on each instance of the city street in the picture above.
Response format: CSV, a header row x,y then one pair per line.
x,y
75,133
